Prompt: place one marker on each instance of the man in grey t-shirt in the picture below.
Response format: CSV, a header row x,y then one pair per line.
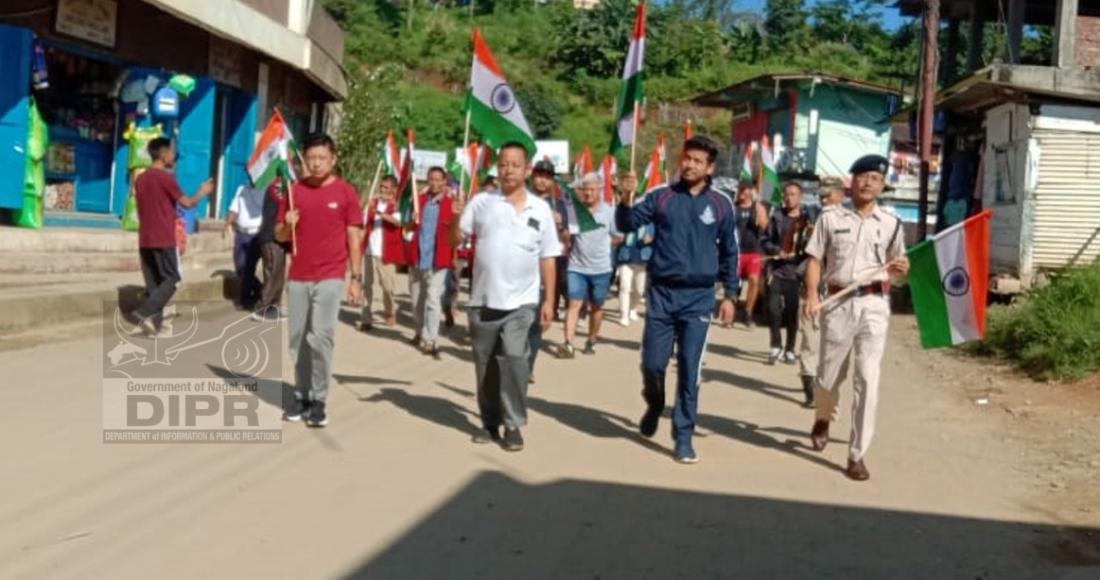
x,y
589,272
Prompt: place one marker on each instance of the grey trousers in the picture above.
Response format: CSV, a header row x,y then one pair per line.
x,y
426,289
313,311
501,345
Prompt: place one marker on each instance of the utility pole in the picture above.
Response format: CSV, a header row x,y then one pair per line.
x,y
927,107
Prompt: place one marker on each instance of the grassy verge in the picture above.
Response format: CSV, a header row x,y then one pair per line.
x,y
1053,332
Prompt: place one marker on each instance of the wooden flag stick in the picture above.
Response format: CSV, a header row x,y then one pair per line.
x,y
294,228
374,182
634,137
469,162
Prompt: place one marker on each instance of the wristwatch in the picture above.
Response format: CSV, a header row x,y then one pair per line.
x,y
357,277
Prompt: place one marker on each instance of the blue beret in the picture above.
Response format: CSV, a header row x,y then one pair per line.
x,y
870,163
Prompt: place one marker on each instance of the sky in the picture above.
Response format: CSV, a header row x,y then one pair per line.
x,y
892,16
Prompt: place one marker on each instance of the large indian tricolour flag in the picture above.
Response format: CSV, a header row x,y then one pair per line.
x,y
948,280
494,111
271,157
631,94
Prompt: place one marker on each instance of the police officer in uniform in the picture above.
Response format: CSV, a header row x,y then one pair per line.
x,y
694,246
862,246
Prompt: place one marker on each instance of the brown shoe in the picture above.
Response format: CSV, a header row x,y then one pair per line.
x,y
819,436
857,471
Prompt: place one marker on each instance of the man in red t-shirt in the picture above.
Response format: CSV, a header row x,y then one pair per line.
x,y
157,193
324,227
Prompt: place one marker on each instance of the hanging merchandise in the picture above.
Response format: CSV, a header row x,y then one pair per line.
x,y
139,138
183,84
166,103
40,76
34,180
130,213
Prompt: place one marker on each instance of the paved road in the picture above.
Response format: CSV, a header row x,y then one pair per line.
x,y
394,489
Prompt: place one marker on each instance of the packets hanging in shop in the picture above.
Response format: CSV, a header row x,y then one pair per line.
x,y
139,138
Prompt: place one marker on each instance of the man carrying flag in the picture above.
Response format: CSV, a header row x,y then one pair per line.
x,y
491,106
694,246
322,215
861,248
631,94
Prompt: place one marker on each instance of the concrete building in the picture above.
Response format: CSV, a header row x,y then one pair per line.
x,y
94,68
1024,139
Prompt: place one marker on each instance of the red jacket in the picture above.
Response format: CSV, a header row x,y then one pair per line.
x,y
444,252
392,250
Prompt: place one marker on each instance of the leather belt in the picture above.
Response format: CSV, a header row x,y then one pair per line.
x,y
876,288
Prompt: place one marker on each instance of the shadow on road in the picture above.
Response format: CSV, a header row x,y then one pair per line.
x,y
496,527
593,422
742,382
432,409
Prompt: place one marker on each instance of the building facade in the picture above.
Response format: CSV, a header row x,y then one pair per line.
x,y
104,75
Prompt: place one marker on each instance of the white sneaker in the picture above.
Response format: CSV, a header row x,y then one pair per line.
x,y
634,315
790,358
774,354
624,321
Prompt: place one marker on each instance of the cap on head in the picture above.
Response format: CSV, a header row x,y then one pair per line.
x,y
544,167
876,163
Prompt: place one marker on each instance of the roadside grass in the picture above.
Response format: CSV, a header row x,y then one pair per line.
x,y
1051,333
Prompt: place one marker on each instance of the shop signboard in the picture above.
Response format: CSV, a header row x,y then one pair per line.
x,y
95,21
424,159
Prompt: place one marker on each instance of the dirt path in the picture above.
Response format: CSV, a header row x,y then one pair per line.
x,y
393,488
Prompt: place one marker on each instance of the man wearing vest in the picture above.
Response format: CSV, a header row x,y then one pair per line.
x,y
382,251
432,256
694,246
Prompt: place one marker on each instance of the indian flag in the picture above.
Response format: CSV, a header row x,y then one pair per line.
x,y
470,165
948,278
655,175
769,186
271,157
746,165
492,105
577,214
391,155
582,165
608,169
406,188
630,97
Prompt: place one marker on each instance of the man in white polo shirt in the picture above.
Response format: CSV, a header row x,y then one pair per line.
x,y
245,218
517,243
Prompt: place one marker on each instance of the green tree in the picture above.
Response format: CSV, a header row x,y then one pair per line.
x,y
785,23
543,112
368,113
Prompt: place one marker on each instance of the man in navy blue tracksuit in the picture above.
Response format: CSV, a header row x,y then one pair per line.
x,y
694,246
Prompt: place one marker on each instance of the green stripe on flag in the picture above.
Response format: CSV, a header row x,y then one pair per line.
x,y
929,302
495,129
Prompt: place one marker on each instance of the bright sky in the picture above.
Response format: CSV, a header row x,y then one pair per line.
x,y
892,17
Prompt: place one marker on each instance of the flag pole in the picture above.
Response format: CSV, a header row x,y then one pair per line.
x,y
294,228
469,161
634,137
374,182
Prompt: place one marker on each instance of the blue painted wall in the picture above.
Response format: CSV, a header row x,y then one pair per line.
x,y
15,80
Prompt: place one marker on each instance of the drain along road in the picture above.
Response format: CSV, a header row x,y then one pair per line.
x,y
393,488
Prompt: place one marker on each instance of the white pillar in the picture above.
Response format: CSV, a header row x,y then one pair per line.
x,y
1065,34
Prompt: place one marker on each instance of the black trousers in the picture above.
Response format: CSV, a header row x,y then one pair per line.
x,y
783,296
161,269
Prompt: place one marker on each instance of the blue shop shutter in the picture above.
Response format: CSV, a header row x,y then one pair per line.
x,y
15,70
196,145
240,134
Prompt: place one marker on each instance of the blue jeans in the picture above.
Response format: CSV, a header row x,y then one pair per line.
x,y
676,316
592,288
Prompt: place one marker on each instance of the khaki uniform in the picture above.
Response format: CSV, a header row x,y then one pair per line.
x,y
853,248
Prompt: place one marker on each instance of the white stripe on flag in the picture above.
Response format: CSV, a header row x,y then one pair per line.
x,y
496,93
952,262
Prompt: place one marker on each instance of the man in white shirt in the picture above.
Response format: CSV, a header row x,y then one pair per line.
x,y
517,243
245,218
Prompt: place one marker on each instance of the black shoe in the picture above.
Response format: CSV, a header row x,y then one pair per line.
x,y
487,436
449,319
365,326
416,340
648,425
513,440
316,416
808,390
432,350
299,408
589,347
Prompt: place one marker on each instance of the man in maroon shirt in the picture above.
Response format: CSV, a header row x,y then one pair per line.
x,y
157,192
324,226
